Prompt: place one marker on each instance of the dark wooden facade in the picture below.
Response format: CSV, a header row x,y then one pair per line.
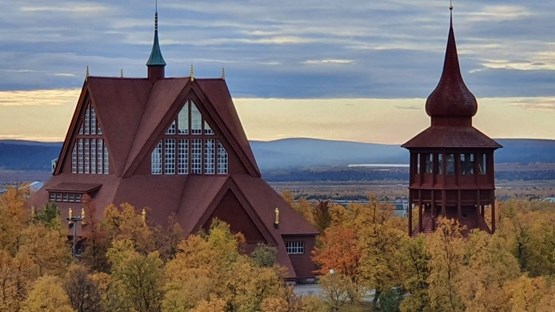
x,y
177,147
451,162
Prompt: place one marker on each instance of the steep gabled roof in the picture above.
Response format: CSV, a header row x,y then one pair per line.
x,y
119,104
221,108
164,95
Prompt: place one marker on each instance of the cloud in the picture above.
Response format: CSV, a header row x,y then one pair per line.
x,y
39,98
328,61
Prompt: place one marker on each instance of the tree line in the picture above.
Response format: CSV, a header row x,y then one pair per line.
x,y
363,254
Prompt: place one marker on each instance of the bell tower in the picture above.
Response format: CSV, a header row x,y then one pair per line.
x,y
451,162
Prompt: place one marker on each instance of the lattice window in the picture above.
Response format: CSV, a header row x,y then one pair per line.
x,y
89,154
223,159
66,197
294,247
183,157
196,120
169,156
189,146
196,156
156,159
209,153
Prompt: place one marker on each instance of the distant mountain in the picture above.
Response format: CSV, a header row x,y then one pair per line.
x,y
294,153
305,153
27,155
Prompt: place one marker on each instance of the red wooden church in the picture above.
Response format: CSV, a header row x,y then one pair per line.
x,y
176,146
451,162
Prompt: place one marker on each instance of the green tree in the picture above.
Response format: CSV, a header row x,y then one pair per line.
x,y
446,249
139,277
413,262
264,256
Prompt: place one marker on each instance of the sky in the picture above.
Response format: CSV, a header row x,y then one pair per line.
x,y
344,70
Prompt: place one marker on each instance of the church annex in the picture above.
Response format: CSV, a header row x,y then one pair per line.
x,y
175,146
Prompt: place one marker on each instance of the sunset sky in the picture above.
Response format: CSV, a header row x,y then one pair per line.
x,y
345,70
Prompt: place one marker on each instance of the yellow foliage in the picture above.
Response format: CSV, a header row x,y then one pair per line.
x,y
47,295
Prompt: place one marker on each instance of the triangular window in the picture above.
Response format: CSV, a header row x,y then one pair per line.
x,y
89,154
189,146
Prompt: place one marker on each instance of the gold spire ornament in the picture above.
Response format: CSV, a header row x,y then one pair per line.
x,y
143,216
223,73
276,220
70,215
121,73
192,73
87,72
83,215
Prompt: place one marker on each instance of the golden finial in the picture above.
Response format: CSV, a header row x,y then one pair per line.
x,y
223,73
87,72
70,215
143,216
121,73
276,220
192,74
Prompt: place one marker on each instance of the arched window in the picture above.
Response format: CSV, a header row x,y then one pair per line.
x,y
189,146
89,154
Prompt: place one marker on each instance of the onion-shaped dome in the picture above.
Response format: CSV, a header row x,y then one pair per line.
x,y
451,98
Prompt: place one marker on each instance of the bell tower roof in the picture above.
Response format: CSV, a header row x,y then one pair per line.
x,y
451,98
156,64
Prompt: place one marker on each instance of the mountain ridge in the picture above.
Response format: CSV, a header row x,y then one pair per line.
x,y
291,153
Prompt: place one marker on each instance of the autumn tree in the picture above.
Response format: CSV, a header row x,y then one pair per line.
x,y
209,268
446,248
413,262
381,241
47,295
82,291
339,250
138,276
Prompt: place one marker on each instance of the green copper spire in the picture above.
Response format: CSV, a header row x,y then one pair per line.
x,y
156,58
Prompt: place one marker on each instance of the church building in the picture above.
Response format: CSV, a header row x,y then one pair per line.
x,y
451,162
177,147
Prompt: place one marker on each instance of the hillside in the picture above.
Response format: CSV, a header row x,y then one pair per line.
x,y
313,159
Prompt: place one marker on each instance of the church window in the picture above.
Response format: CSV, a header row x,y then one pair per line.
x,y
183,157
189,146
196,166
66,197
89,154
156,159
209,152
294,247
169,154
183,119
222,159
171,129
196,120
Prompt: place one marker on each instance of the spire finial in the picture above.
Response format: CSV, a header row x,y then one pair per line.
x,y
192,73
451,5
121,73
156,16
87,72
156,58
223,73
